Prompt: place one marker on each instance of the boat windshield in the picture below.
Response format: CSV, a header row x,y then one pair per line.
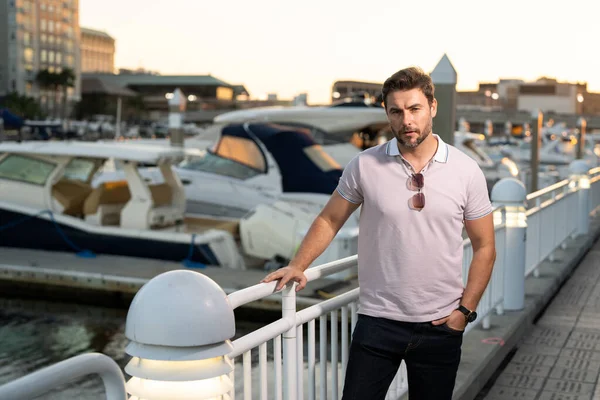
x,y
79,169
232,156
321,159
25,169
212,163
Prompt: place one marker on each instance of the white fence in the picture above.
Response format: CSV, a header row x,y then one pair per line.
x,y
274,363
594,175
551,220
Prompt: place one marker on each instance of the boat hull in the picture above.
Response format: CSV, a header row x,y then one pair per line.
x,y
21,230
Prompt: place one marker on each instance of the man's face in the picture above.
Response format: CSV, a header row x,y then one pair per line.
x,y
410,116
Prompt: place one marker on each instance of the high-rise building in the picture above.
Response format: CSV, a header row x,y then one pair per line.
x,y
97,52
36,35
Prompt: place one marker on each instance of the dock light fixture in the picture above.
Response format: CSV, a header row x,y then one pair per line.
x,y
510,193
179,326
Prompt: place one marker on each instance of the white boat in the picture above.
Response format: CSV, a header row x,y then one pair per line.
x,y
267,180
364,124
559,152
47,202
339,122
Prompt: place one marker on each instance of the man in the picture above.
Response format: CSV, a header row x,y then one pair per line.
x,y
417,194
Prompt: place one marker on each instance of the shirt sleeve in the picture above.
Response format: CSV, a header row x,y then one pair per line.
x,y
478,199
349,186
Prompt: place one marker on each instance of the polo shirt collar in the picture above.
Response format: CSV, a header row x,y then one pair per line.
x,y
441,155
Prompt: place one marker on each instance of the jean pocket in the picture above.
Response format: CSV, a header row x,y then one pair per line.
x,y
450,330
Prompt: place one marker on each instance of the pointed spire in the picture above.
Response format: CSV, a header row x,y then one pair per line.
x,y
444,72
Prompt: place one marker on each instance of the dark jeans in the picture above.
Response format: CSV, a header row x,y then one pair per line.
x,y
431,353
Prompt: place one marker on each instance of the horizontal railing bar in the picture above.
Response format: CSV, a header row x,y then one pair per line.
x,y
329,268
41,382
313,312
261,290
593,171
260,336
547,189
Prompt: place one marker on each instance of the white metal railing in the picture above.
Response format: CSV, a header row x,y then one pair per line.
x,y
290,329
46,379
324,379
551,220
594,189
297,373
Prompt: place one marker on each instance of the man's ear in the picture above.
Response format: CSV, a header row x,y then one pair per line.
x,y
433,108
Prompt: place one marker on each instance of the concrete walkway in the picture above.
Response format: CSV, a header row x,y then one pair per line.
x,y
552,345
559,359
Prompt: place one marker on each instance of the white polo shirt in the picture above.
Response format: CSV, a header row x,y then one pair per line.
x,y
410,262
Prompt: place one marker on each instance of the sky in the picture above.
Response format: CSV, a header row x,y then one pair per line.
x,y
290,47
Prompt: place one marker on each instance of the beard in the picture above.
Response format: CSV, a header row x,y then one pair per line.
x,y
420,138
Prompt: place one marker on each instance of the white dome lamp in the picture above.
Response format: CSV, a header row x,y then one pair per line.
x,y
180,325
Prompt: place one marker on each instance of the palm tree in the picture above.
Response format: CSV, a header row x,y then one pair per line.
x,y
47,80
55,81
65,79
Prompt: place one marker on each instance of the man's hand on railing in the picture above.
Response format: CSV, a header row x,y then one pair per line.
x,y
285,275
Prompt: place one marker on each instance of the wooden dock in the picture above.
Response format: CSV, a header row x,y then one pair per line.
x,y
113,280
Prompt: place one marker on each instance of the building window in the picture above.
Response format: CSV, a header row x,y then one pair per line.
x,y
43,24
50,8
26,39
51,57
12,36
43,6
43,56
28,54
58,57
50,39
50,26
58,40
70,60
43,38
14,85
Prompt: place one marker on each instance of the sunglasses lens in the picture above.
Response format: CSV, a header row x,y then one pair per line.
x,y
418,181
418,201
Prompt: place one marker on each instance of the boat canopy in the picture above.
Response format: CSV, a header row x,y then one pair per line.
x,y
150,154
304,166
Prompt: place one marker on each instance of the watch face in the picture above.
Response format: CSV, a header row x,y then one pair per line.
x,y
472,317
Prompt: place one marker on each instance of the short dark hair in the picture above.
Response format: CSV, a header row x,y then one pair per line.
x,y
407,79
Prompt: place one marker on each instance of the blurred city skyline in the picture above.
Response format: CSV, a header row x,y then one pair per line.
x,y
273,46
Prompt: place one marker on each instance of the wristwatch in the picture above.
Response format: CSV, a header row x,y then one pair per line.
x,y
470,316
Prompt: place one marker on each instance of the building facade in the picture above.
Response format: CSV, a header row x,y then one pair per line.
x,y
36,35
546,94
207,96
97,52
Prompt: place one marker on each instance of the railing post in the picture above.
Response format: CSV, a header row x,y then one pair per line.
x,y
289,343
511,193
579,175
179,326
